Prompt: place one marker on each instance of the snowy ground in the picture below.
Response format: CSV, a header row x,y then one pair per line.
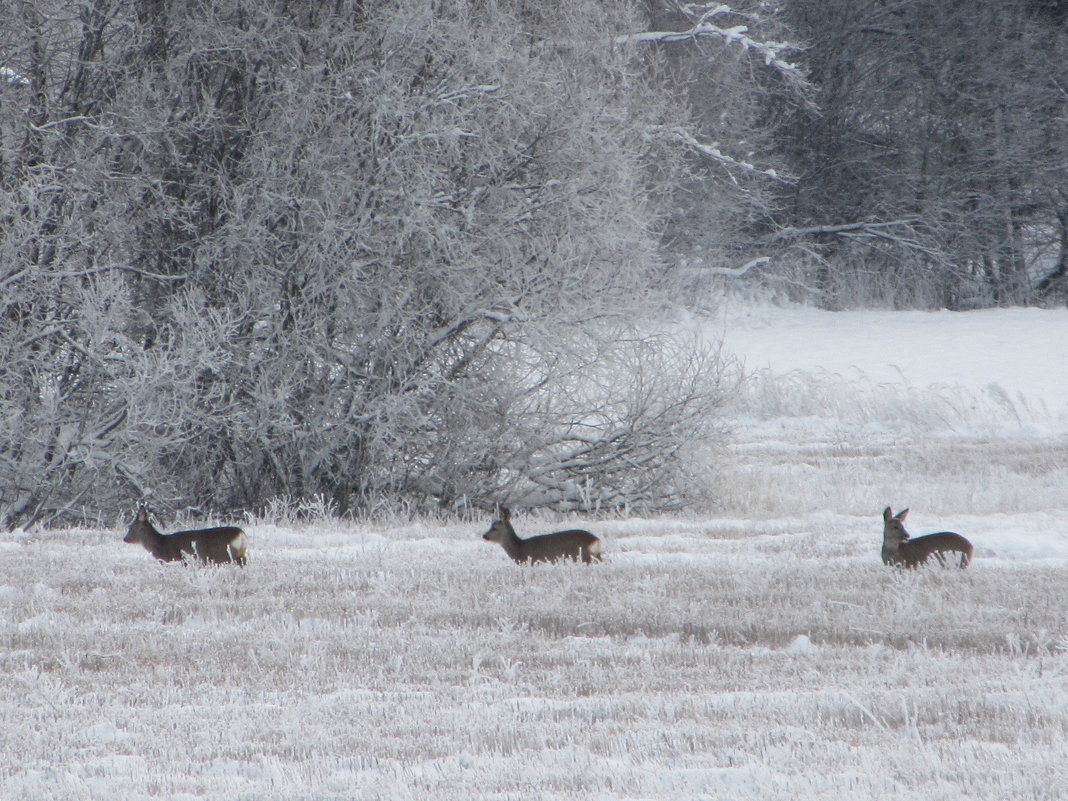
x,y
758,651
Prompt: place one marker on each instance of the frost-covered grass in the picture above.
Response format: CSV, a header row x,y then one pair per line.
x,y
759,650
704,659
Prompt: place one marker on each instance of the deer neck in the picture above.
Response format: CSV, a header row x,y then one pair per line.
x,y
153,540
513,546
891,547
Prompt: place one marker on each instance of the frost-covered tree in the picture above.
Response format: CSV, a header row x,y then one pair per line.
x,y
379,252
731,63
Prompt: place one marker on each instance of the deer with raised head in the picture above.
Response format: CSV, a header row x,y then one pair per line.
x,y
900,549
574,544
215,545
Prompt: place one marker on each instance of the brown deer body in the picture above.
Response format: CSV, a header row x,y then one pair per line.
x,y
900,549
210,545
574,544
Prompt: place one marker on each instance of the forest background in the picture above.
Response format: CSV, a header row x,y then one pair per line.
x,y
431,256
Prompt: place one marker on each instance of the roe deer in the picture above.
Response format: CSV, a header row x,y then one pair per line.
x,y
900,549
574,544
215,545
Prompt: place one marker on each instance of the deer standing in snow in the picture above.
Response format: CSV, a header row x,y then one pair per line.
x,y
574,544
215,545
900,549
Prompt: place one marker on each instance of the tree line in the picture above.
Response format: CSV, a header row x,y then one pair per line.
x,y
420,254
932,166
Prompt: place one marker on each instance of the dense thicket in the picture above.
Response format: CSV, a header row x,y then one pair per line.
x,y
933,166
392,252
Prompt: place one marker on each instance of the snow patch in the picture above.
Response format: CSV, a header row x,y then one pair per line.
x,y
802,645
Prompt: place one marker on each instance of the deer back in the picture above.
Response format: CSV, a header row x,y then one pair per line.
x,y
915,552
217,545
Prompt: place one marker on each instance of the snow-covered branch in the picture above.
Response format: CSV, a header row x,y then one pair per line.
x,y
8,75
703,26
869,227
711,150
736,272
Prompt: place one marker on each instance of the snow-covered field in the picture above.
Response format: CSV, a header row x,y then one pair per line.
x,y
759,650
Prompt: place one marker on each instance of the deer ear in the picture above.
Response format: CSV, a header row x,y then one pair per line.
x,y
506,514
887,514
902,514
